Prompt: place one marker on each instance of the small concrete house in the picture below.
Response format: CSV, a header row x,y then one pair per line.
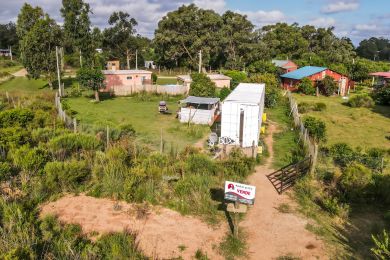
x,y
219,80
126,82
113,65
285,65
199,110
380,79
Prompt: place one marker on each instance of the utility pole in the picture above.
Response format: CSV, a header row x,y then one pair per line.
x,y
136,59
200,61
58,74
10,52
127,59
62,57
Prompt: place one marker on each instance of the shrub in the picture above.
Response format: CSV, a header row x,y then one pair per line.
x,y
16,117
154,78
356,181
73,143
201,164
28,159
327,86
319,106
202,86
66,176
237,166
342,154
382,95
333,206
316,128
304,107
236,76
224,93
306,87
382,246
13,136
272,90
5,171
361,100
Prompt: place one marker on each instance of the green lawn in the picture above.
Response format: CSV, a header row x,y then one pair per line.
x,y
143,116
11,69
355,126
22,85
165,81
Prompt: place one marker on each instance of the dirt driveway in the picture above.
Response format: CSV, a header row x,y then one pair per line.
x,y
271,233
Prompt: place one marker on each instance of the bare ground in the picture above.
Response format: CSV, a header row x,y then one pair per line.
x,y
270,233
20,73
160,233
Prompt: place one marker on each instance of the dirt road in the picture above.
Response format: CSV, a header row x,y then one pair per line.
x,y
271,233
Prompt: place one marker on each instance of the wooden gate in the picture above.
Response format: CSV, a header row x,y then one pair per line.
x,y
285,177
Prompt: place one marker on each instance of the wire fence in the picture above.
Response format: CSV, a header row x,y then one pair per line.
x,y
312,146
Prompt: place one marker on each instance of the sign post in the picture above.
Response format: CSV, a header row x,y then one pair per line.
x,y
241,195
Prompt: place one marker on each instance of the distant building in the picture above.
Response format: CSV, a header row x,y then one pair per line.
x,y
380,79
285,65
199,110
220,80
113,65
5,52
291,80
126,82
149,64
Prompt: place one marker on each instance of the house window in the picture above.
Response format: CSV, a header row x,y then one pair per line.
x,y
129,77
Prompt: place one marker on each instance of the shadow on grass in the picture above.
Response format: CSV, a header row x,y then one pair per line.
x,y
382,110
217,194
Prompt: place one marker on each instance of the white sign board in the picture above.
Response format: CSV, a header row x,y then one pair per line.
x,y
240,192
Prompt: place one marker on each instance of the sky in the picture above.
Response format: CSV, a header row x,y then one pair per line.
x,y
356,19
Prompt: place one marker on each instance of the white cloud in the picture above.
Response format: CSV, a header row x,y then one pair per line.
x,y
340,6
261,18
216,5
323,22
366,27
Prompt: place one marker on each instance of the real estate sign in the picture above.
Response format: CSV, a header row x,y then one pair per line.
x,y
240,192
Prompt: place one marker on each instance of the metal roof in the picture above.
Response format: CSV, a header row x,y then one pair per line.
x,y
303,72
247,93
125,72
381,74
200,100
279,63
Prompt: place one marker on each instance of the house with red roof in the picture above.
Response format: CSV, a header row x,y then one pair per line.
x,y
285,65
380,79
291,80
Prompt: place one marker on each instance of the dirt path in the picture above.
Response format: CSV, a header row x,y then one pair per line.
x,y
20,73
160,233
271,233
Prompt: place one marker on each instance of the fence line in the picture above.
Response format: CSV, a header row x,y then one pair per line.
x,y
312,146
151,88
68,120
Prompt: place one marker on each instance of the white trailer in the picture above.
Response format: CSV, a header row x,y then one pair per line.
x,y
242,114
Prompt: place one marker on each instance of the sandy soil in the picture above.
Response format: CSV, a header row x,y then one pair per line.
x,y
159,234
20,73
270,233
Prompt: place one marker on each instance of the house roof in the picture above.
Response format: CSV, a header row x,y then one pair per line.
x,y
125,72
381,74
279,63
303,72
187,78
246,93
200,100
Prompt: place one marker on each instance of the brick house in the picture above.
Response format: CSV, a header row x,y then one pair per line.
x,y
291,80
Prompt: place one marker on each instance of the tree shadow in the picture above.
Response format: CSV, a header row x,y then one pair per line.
x,y
218,194
382,110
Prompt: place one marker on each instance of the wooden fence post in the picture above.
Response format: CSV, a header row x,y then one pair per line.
x,y
74,125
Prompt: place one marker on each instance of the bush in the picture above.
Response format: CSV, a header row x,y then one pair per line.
x,y
154,78
202,86
237,166
319,106
333,206
306,87
342,154
16,117
361,100
304,107
272,90
224,93
73,143
356,181
65,176
382,246
315,127
327,86
236,76
28,159
382,96
5,171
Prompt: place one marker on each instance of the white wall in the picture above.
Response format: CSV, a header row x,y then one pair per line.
x,y
197,116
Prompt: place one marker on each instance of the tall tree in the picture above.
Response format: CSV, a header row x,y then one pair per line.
x,y
119,38
8,36
92,78
77,28
38,49
236,38
27,18
181,34
374,49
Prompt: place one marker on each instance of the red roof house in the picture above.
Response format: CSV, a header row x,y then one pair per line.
x,y
285,65
291,80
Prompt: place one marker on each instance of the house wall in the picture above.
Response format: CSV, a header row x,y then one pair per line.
x,y
292,65
197,116
125,82
292,84
221,83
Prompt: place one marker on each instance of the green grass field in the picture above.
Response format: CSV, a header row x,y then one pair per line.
x,y
143,116
165,81
23,85
355,126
